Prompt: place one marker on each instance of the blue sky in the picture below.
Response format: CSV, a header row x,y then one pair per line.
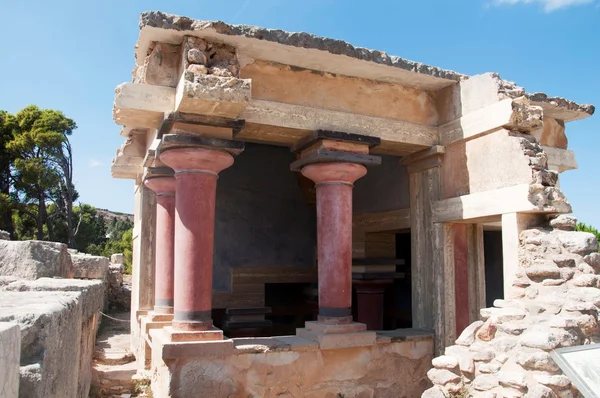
x,y
71,54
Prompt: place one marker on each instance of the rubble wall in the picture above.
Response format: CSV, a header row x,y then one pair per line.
x,y
553,303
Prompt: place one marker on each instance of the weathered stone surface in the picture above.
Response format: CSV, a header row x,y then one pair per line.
x,y
586,280
10,352
512,379
445,362
4,235
501,315
504,344
547,338
485,382
507,393
491,367
50,325
92,292
442,376
434,392
536,360
585,294
90,267
467,337
117,258
539,391
564,222
466,364
483,356
593,259
514,328
541,271
487,331
559,381
34,259
578,242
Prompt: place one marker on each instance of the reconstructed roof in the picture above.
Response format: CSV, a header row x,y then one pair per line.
x,y
324,54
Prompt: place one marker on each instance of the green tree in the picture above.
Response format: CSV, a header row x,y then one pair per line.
x,y
122,245
39,139
7,123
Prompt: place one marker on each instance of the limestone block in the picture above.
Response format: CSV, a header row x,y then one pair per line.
x,y
90,267
552,133
578,242
512,379
92,292
485,382
213,95
50,325
539,391
445,362
590,295
10,352
536,360
117,258
34,259
501,315
558,381
467,337
442,376
4,235
161,66
564,222
142,105
434,392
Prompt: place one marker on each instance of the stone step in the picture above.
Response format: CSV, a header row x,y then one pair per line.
x,y
114,349
117,379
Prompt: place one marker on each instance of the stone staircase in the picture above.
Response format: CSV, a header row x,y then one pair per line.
x,y
114,368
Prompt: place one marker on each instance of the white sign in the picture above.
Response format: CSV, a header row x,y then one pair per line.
x,y
581,364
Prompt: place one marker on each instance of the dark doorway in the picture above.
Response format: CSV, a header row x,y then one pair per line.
x,y
402,287
494,276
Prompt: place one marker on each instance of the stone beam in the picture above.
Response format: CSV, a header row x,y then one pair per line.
x,y
392,220
307,118
511,114
128,161
523,198
142,105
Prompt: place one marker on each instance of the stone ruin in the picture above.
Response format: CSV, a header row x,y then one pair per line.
x,y
50,304
553,303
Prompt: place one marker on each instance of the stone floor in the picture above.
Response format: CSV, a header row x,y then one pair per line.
x,y
114,368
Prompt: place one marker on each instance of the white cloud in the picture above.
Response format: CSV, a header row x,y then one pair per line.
x,y
548,5
96,163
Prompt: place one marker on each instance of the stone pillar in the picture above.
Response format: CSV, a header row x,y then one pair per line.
x,y
196,173
512,226
162,182
197,161
334,183
334,160
432,250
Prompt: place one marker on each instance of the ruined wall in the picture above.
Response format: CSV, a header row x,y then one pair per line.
x,y
385,187
262,218
385,370
553,303
496,160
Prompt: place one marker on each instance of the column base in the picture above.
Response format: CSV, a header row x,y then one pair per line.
x,y
170,344
345,335
155,321
175,335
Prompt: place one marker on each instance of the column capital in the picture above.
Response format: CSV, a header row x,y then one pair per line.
x,y
161,180
425,159
335,172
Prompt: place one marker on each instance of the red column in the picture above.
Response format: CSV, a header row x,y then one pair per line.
x,y
196,174
164,187
334,183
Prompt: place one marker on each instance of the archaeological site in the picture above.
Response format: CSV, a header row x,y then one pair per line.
x,y
314,219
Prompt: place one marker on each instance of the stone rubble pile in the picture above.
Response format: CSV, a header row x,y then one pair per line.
x,y
119,292
554,303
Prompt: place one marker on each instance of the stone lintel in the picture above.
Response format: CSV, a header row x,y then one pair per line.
x,y
171,141
317,135
423,160
326,156
176,335
173,118
162,171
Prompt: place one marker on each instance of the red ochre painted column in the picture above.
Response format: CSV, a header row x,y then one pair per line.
x,y
164,187
196,174
334,183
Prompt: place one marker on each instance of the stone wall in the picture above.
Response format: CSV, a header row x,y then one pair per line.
x,y
290,366
58,317
10,350
385,187
553,303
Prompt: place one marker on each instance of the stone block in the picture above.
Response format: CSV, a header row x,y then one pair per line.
x,y
325,328
485,382
4,235
10,353
51,331
90,267
213,95
165,349
564,222
297,343
442,376
581,243
34,259
445,362
175,335
342,340
117,258
467,337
